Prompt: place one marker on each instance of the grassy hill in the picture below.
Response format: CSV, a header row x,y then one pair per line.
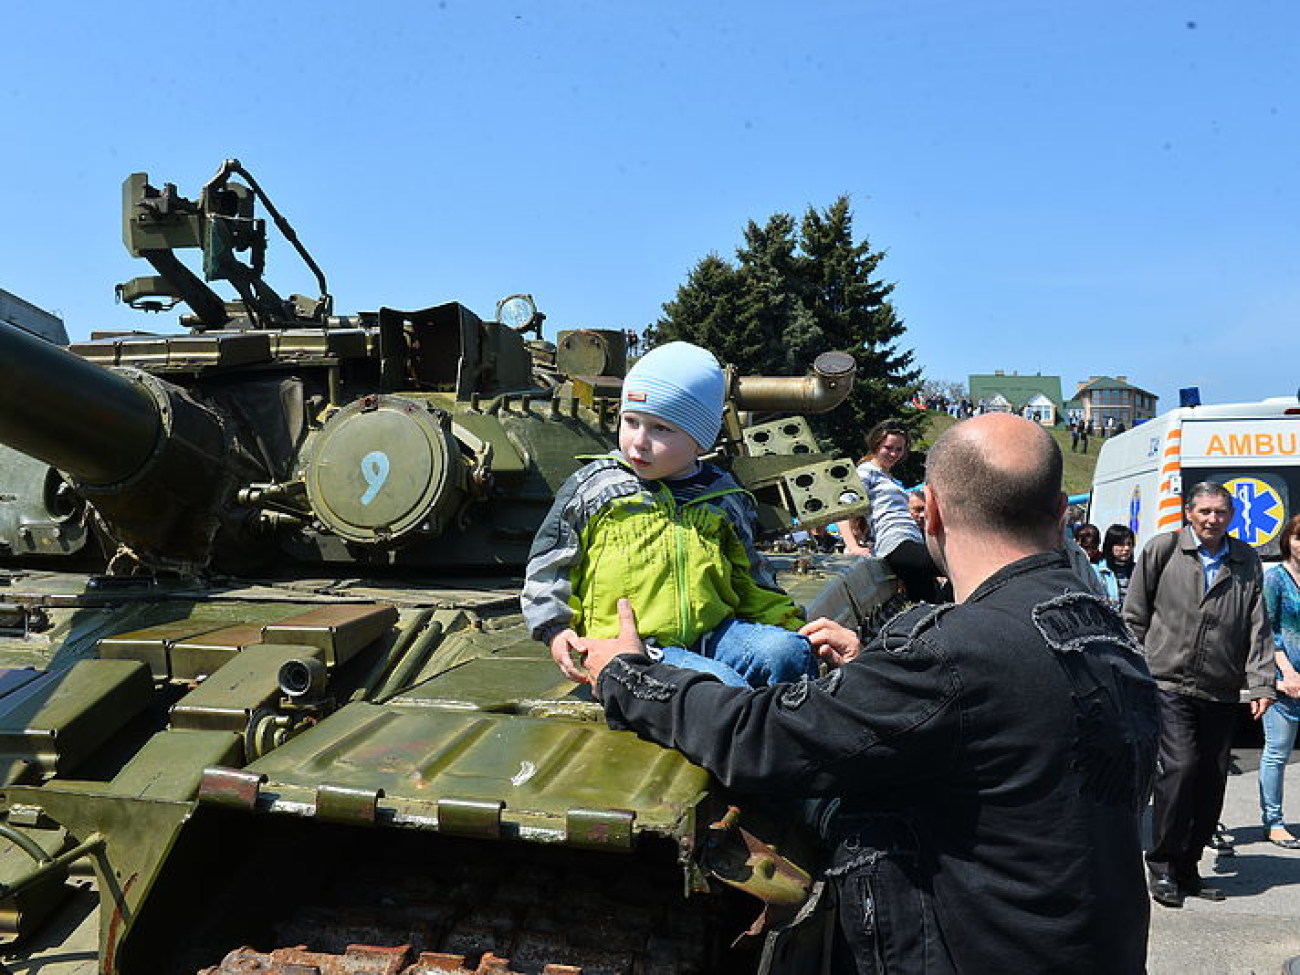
x,y
1078,467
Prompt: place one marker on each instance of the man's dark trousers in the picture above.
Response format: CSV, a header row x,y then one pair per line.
x,y
1195,746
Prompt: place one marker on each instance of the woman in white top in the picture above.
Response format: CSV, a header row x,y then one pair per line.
x,y
895,536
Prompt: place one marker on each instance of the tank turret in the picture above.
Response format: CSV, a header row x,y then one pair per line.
x,y
276,432
231,466
259,605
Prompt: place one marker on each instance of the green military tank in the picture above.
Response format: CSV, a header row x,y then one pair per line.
x,y
267,703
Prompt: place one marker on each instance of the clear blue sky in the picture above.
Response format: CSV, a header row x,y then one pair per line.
x,y
1073,188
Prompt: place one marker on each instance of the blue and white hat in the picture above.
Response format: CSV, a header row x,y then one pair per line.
x,y
681,383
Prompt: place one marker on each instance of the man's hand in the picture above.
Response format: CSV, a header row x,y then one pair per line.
x,y
1289,684
835,644
563,646
1259,705
597,653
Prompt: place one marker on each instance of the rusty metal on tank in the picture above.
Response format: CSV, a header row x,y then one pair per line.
x,y
266,699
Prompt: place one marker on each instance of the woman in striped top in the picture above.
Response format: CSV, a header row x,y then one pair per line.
x,y
895,536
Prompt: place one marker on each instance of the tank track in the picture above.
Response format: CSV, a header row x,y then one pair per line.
x,y
366,960
494,909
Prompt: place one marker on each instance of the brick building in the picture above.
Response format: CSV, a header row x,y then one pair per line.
x,y
1114,399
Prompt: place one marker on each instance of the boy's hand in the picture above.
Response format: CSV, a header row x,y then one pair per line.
x,y
564,646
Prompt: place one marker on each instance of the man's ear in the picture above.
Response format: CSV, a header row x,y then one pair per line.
x,y
1062,502
933,516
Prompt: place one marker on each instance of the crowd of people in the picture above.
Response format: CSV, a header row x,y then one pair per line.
x,y
979,770
960,408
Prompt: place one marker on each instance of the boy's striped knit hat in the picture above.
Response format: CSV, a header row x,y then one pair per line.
x,y
681,383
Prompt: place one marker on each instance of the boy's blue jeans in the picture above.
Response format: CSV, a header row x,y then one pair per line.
x,y
746,654
1280,724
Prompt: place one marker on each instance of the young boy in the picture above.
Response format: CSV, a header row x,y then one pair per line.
x,y
652,523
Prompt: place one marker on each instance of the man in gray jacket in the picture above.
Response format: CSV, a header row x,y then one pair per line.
x,y
1195,603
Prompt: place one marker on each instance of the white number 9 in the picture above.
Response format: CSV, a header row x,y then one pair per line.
x,y
374,469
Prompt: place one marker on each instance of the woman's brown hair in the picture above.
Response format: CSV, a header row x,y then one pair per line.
x,y
877,434
1289,531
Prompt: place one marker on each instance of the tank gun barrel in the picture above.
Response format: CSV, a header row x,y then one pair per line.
x,y
828,387
84,420
154,462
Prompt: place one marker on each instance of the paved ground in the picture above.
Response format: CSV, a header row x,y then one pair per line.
x,y
1258,927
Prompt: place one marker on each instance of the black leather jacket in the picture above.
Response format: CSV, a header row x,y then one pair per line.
x,y
1015,733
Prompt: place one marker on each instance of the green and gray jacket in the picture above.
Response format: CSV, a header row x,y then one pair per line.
x,y
682,551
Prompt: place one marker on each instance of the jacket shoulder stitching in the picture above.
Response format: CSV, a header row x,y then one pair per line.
x,y
910,624
1074,620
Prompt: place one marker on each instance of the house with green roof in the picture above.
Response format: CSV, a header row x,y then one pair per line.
x,y
1037,397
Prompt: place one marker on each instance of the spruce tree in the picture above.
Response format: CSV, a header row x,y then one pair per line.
x,y
792,295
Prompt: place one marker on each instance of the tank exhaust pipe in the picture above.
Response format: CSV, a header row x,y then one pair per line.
x,y
828,387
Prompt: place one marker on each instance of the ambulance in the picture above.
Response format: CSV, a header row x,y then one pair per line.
x,y
1252,449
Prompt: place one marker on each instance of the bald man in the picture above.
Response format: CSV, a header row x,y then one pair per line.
x,y
988,760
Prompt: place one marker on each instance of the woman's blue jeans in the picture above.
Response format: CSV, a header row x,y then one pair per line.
x,y
746,654
1280,724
